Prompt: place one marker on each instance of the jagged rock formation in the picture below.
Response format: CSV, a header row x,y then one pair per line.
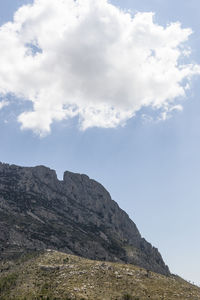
x,y
76,216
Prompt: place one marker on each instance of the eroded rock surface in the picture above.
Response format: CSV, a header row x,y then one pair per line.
x,y
76,216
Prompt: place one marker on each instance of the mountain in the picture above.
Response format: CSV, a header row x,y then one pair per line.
x,y
75,216
53,275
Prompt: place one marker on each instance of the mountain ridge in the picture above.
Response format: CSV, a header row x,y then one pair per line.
x,y
75,215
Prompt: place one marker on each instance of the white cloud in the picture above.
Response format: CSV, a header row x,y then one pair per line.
x,y
89,59
166,113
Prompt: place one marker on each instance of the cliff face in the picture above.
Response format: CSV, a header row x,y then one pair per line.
x,y
76,216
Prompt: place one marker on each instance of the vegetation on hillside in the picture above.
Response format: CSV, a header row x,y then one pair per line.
x,y
53,275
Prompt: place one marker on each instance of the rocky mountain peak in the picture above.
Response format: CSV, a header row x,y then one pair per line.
x,y
75,215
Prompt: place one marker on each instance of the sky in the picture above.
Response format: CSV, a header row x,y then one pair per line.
x,y
111,90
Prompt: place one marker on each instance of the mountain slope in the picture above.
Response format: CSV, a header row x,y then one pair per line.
x,y
54,275
76,216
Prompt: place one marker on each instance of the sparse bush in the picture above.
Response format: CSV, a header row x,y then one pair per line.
x,y
7,282
127,297
66,260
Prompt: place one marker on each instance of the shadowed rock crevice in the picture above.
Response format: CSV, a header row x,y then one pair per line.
x,y
76,216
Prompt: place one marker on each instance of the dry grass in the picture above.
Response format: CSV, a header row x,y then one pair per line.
x,y
55,275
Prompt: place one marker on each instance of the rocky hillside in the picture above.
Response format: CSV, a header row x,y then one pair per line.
x,y
76,216
54,275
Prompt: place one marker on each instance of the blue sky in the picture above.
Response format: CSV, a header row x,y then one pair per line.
x,y
151,167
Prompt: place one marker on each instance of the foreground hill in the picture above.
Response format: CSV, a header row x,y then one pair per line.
x,y
54,275
76,216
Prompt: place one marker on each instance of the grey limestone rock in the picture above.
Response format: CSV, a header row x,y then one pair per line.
x,y
75,215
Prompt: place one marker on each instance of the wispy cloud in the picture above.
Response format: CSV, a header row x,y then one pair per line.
x,y
3,103
88,58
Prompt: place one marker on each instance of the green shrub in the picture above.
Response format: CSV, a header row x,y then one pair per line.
x,y
7,282
127,297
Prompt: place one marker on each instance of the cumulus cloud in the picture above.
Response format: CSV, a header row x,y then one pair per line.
x,y
88,58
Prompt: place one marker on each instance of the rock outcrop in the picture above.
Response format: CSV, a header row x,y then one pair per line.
x,y
76,216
